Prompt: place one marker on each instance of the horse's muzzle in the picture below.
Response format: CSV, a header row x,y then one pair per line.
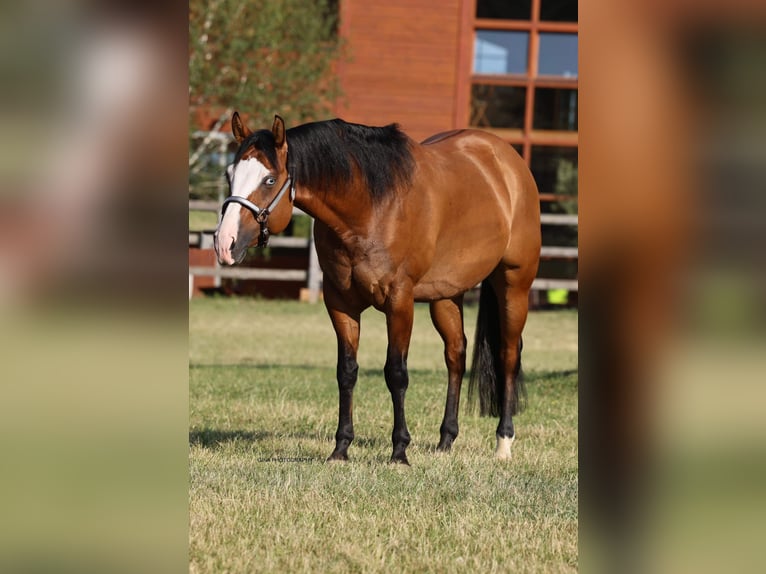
x,y
225,248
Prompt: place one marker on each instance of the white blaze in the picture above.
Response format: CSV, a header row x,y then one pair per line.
x,y
245,178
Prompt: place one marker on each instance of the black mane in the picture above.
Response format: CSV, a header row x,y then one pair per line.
x,y
324,155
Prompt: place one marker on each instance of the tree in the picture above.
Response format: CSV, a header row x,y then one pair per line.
x,y
260,57
566,184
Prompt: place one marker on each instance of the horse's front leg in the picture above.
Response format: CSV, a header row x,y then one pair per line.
x,y
346,324
399,317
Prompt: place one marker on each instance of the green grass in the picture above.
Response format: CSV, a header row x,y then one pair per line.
x,y
263,414
202,220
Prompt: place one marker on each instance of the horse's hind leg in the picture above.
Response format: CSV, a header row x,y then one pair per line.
x,y
513,301
447,317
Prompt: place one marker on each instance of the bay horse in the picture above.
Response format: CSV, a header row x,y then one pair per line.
x,y
398,222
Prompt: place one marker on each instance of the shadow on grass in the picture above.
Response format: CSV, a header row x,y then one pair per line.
x,y
265,367
215,439
212,438
330,368
532,376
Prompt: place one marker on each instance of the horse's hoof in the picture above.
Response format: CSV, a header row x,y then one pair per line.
x,y
401,459
337,457
503,449
444,446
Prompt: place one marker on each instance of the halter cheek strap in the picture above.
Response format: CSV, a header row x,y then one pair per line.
x,y
261,215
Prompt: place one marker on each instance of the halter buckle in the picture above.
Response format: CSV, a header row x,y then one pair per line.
x,y
262,218
263,236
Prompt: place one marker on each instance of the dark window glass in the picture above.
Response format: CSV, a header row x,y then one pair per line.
x,y
519,149
558,10
497,106
504,9
558,55
555,169
555,109
500,52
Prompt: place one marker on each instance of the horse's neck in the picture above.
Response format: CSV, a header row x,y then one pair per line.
x,y
344,211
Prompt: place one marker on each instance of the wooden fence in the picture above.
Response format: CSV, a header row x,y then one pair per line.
x,y
312,275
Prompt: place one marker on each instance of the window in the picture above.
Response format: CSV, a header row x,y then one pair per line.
x,y
558,55
500,52
497,106
558,10
555,109
504,9
555,169
523,86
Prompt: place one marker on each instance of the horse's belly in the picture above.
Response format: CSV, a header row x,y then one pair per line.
x,y
435,290
448,279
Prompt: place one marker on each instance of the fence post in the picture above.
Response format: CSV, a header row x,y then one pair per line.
x,y
223,151
315,272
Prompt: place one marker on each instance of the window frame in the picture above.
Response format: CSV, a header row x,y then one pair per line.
x,y
527,136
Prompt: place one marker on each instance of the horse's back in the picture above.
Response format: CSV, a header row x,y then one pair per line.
x,y
470,149
440,136
486,167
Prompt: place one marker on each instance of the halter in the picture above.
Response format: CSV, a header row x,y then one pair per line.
x,y
261,215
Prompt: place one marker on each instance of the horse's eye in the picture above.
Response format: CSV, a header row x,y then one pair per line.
x,y
270,181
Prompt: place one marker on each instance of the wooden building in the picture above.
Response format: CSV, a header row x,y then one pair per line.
x,y
509,67
505,66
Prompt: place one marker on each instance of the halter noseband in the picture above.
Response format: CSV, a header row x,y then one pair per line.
x,y
261,215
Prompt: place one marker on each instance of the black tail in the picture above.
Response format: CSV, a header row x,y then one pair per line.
x,y
486,366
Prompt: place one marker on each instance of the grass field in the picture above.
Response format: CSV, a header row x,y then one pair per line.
x,y
263,402
202,220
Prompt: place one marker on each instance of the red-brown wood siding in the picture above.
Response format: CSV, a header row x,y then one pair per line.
x,y
403,63
201,258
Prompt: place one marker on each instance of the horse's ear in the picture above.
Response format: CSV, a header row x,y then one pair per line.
x,y
278,129
239,129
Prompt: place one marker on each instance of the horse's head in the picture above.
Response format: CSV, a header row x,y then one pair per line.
x,y
261,191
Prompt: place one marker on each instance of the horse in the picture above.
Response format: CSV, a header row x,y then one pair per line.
x,y
395,222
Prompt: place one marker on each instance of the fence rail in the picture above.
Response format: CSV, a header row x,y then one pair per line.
x,y
204,205
545,218
558,219
249,273
551,252
313,274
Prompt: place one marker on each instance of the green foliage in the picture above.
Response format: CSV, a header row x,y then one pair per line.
x,y
301,226
202,220
260,57
566,184
263,57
